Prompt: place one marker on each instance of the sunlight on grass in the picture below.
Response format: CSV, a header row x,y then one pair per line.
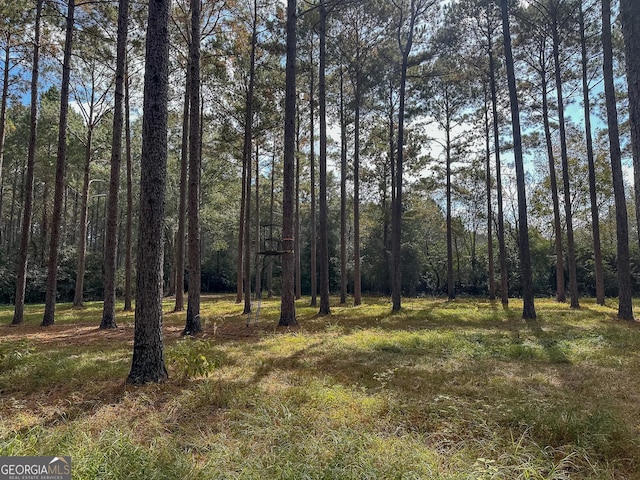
x,y
441,390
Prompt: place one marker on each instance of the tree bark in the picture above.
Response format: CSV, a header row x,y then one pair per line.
x,y
451,288
271,213
323,224
111,241
357,276
288,307
170,245
630,16
343,195
247,151
396,218
44,229
298,243
12,210
561,295
3,115
487,135
93,225
571,251
128,264
182,205
593,194
625,301
259,263
61,160
528,311
388,214
502,249
148,353
7,240
84,211
404,38
193,324
312,171
241,226
21,277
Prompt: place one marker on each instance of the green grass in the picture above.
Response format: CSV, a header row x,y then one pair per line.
x,y
442,390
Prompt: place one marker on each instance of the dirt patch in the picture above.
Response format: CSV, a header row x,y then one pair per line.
x,y
66,335
83,335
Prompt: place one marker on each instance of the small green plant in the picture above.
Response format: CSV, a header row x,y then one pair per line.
x,y
188,358
12,353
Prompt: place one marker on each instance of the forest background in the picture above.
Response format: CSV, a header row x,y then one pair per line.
x,y
451,222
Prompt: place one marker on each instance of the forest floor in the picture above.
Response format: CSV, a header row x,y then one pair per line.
x,y
442,390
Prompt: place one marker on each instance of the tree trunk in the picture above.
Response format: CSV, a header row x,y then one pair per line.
x,y
128,267
12,210
571,251
502,249
172,239
625,303
343,195
557,225
239,261
44,229
271,213
595,217
298,243
357,277
63,222
61,160
111,241
630,16
182,205
457,250
487,136
388,214
74,219
288,307
3,115
2,222
193,325
93,225
246,256
148,353
396,219
259,263
528,311
323,224
247,151
21,277
312,168
451,289
84,211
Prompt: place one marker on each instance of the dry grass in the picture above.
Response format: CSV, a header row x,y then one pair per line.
x,y
442,390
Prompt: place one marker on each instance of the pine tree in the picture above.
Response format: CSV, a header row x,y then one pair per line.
x,y
148,353
528,311
287,308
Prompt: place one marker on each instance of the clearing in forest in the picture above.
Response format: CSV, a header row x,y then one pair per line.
x,y
443,390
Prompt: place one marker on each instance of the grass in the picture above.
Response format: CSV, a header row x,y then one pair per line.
x,y
441,390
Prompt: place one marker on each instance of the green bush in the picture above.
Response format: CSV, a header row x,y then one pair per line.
x,y
188,358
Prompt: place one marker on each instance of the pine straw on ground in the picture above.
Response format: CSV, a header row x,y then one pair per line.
x,y
461,389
